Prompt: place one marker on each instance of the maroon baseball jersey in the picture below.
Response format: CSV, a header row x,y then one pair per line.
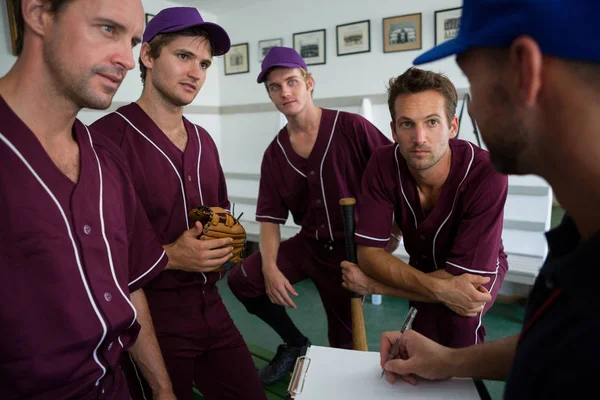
x,y
462,233
70,255
311,188
168,181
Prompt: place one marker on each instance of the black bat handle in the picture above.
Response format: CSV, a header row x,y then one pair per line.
x,y
348,218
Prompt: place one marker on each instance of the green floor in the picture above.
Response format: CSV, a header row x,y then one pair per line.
x,y
502,320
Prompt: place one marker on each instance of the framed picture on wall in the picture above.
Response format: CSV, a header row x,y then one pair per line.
x,y
12,25
264,46
402,33
353,38
236,60
149,17
447,23
311,46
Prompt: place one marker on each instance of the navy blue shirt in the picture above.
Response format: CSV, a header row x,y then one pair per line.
x,y
557,355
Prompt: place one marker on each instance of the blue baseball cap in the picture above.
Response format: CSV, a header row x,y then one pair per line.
x,y
562,28
280,57
176,19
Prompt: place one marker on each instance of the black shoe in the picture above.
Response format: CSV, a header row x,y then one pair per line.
x,y
282,364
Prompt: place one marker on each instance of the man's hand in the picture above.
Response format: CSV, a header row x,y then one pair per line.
x,y
146,351
464,294
416,356
278,286
188,253
355,280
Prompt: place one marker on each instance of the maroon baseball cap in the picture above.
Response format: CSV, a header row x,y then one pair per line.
x,y
176,19
280,57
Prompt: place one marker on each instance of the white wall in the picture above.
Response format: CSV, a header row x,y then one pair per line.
x,y
6,57
350,75
247,135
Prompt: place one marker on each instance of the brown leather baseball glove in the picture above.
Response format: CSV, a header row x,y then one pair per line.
x,y
218,223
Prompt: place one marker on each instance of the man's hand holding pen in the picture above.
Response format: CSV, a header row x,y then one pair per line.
x,y
415,356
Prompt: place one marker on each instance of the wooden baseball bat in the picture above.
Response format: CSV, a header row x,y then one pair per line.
x,y
359,333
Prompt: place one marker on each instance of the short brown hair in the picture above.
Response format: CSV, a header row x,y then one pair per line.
x,y
55,7
416,80
163,39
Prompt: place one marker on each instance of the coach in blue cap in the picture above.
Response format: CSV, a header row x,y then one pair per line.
x,y
533,67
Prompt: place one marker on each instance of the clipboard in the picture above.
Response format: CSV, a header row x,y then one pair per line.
x,y
326,373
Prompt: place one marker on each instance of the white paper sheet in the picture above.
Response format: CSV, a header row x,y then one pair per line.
x,y
346,374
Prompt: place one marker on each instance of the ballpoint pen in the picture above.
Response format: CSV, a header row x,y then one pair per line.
x,y
406,325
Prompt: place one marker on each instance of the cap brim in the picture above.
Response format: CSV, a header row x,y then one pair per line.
x,y
448,48
218,36
262,76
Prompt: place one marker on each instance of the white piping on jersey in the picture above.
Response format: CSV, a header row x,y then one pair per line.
x,y
187,222
121,343
137,375
321,175
491,288
150,269
402,187
103,229
75,251
269,217
288,160
371,238
453,203
475,271
199,155
198,172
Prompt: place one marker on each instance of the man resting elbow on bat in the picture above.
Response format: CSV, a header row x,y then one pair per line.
x,y
445,197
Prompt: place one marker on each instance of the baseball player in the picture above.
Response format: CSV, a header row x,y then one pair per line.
x,y
448,201
315,160
76,246
176,167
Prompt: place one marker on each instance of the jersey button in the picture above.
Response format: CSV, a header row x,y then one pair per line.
x,y
322,226
312,172
87,229
423,237
189,178
107,296
318,201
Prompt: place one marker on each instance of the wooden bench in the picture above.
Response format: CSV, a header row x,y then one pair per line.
x,y
261,358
